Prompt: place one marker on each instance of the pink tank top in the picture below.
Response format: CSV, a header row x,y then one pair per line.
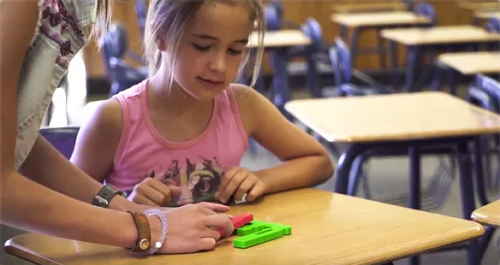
x,y
195,165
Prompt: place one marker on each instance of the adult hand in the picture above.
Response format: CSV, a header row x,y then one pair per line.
x,y
193,227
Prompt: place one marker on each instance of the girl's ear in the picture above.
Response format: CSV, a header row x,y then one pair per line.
x,y
160,42
160,39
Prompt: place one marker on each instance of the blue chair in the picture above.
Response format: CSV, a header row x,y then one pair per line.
x,y
312,29
426,10
141,10
340,59
62,138
120,74
485,92
493,26
272,18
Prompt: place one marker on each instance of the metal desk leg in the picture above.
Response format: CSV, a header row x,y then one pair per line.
x,y
281,88
468,205
412,57
343,32
354,45
436,81
481,193
381,49
414,155
452,85
394,63
312,76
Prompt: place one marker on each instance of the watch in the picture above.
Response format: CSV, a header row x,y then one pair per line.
x,y
104,196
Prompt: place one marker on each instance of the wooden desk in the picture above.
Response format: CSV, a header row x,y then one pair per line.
x,y
393,117
281,38
485,6
440,35
365,7
420,40
487,15
488,215
470,63
379,19
327,228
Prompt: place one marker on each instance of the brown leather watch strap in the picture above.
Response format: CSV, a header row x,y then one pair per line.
x,y
143,241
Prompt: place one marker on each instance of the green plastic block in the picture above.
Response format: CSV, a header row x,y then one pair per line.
x,y
258,232
256,226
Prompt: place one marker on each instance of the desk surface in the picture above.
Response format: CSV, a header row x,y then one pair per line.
x,y
487,15
379,19
485,6
402,116
368,7
488,214
281,38
440,35
470,63
327,228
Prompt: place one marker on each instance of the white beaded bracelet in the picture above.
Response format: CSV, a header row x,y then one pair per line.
x,y
164,228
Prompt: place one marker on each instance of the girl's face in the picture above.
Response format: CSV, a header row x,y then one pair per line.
x,y
212,49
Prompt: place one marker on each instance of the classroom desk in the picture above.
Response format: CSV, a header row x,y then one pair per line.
x,y
488,215
412,122
368,7
487,15
469,63
476,8
278,43
327,228
485,6
375,20
418,40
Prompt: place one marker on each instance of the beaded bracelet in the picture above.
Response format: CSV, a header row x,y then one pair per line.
x,y
164,229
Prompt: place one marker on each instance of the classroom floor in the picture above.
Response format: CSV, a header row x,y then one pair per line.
x,y
385,176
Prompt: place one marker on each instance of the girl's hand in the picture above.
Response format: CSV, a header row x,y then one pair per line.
x,y
238,182
153,192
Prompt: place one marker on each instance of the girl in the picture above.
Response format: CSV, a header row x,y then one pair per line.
x,y
188,124
42,191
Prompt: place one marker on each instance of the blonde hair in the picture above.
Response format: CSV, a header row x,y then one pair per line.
x,y
169,18
104,14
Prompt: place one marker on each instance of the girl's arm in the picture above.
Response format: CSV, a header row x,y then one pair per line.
x,y
305,162
95,151
25,204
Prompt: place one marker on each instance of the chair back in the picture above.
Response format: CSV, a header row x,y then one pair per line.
x,y
62,138
272,18
427,10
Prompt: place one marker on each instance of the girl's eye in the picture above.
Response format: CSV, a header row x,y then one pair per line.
x,y
234,52
201,48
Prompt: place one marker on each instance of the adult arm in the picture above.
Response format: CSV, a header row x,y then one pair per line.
x,y
25,204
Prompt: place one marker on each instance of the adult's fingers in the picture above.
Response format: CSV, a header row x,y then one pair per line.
x,y
219,222
207,243
214,207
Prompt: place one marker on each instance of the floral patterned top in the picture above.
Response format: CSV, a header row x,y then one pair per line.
x,y
63,27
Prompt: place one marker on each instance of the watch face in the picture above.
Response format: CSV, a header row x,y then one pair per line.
x,y
101,200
